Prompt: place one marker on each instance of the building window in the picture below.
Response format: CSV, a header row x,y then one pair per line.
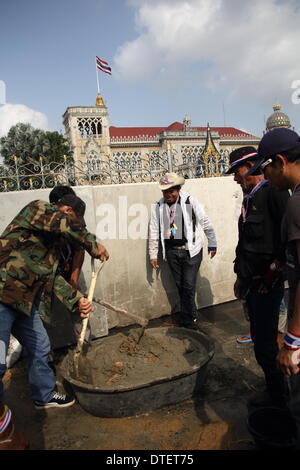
x,y
93,161
128,161
94,164
89,127
155,160
192,154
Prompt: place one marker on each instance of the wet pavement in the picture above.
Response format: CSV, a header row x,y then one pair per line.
x,y
219,410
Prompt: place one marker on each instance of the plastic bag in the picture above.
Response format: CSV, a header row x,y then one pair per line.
x,y
14,352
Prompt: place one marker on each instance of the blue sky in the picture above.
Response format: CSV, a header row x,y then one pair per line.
x,y
170,58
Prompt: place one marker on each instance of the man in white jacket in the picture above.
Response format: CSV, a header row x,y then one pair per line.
x,y
175,222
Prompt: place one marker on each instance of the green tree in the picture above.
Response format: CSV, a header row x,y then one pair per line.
x,y
29,144
56,146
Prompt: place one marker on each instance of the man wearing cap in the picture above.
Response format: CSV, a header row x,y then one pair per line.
x,y
175,221
279,152
29,256
259,256
72,255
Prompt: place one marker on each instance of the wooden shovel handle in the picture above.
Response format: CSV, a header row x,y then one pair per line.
x,y
95,273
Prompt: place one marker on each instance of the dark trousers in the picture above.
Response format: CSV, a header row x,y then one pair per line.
x,y
184,270
263,313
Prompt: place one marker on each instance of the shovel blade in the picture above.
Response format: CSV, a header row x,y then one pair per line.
x,y
98,322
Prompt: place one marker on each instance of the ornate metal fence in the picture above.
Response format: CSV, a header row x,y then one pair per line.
x,y
121,167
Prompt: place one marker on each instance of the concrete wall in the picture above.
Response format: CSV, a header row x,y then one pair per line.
x,y
127,280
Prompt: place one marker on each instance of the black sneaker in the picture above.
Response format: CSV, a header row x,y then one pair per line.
x,y
57,401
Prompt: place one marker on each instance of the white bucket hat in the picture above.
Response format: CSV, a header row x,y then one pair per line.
x,y
170,180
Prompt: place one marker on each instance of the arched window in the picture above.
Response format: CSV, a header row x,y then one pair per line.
x,y
94,163
89,127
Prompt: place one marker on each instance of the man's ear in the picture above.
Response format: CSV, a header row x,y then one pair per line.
x,y
280,160
69,210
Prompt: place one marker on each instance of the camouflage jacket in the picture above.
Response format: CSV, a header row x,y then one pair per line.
x,y
29,256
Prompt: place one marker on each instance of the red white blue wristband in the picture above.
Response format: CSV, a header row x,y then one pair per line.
x,y
291,341
5,422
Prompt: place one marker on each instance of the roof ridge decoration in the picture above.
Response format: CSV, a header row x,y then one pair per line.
x,y
139,132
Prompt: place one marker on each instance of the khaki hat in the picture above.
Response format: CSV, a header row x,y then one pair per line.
x,y
170,180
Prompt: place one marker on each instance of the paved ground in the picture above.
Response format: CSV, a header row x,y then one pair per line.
x,y
232,376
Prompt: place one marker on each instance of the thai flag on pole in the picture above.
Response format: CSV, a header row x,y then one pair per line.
x,y
103,66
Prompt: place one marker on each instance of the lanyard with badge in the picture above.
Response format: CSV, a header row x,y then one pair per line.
x,y
247,197
171,214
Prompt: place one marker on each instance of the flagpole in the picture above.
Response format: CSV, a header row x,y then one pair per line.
x,y
97,76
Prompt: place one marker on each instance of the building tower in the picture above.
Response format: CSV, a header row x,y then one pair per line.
x,y
87,130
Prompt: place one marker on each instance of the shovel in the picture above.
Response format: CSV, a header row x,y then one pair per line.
x,y
95,273
141,321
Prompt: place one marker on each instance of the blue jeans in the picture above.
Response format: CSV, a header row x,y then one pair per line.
x,y
184,270
31,333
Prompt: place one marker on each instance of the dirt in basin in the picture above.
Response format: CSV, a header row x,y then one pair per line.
x,y
127,361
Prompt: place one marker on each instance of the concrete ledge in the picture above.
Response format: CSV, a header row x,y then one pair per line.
x,y
127,281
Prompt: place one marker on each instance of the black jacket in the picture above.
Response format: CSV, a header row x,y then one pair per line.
x,y
260,234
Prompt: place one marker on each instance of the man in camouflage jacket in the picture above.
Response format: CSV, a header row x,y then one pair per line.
x,y
29,256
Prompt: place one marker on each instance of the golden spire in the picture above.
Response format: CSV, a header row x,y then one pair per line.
x,y
210,155
99,100
277,107
210,148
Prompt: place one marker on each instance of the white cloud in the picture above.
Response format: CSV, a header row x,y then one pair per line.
x,y
246,47
11,114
